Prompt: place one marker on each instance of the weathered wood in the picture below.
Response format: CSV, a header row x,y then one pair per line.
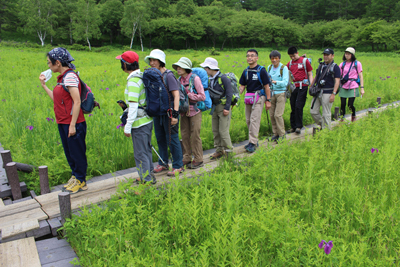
x,y
48,244
22,200
37,214
62,263
33,194
336,114
1,203
5,190
6,157
44,180
56,254
13,180
22,252
15,229
7,201
18,208
379,100
64,200
25,167
44,229
54,224
12,238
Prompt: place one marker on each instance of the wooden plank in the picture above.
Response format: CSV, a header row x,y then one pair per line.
x,y
18,228
56,253
19,207
20,253
1,203
36,214
44,229
48,244
54,224
22,199
16,237
61,263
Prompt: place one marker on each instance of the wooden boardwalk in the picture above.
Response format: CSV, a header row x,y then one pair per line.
x,y
32,218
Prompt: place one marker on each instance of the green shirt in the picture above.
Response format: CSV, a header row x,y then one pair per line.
x,y
135,92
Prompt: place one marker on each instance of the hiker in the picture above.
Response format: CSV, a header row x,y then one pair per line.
x,y
221,93
255,79
69,116
301,72
191,121
167,127
351,79
327,78
138,125
279,74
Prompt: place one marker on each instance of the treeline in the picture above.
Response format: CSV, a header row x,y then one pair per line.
x,y
198,23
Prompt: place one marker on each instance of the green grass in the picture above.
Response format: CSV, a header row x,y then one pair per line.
x,y
271,209
24,103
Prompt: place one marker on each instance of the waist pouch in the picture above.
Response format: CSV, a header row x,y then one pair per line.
x,y
215,95
251,98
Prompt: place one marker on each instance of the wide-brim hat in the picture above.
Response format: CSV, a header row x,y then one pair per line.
x,y
184,63
129,57
156,54
210,63
351,50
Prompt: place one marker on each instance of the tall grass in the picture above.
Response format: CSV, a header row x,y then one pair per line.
x,y
24,103
270,209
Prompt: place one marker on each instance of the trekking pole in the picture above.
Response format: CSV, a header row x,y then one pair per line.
x,y
152,147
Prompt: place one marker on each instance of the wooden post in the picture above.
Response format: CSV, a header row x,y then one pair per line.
x,y
44,180
64,200
13,180
6,157
370,111
336,116
314,130
379,100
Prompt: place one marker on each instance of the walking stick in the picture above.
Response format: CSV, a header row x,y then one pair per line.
x,y
152,147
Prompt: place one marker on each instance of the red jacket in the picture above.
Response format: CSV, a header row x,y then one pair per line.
x,y
63,103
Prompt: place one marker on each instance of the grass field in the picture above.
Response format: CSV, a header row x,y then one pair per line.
x,y
26,111
270,209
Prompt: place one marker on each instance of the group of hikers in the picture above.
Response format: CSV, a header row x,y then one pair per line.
x,y
156,98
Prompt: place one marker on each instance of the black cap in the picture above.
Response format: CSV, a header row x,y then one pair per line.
x,y
328,51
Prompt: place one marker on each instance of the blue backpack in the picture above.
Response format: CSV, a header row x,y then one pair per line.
x,y
204,80
258,72
157,96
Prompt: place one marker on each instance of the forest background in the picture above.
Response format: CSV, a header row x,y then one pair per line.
x,y
368,25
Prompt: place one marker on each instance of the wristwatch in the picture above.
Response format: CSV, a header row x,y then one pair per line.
x,y
334,93
269,100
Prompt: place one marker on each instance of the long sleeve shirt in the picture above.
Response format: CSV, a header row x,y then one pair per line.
x,y
193,97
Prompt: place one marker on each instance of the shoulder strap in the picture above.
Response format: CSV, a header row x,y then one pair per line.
x,y
282,67
290,64
63,78
305,66
269,68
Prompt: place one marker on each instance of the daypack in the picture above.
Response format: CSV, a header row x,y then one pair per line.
x,y
258,73
305,67
235,90
157,96
347,75
87,97
183,97
204,80
290,87
201,105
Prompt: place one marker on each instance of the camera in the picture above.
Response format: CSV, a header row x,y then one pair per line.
x,y
320,61
322,82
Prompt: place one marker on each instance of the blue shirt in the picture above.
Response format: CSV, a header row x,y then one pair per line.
x,y
250,79
281,80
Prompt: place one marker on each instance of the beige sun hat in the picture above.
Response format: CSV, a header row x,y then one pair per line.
x,y
211,63
184,63
156,54
351,50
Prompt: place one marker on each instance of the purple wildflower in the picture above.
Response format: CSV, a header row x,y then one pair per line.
x,y
233,66
374,80
110,114
107,88
49,119
121,125
90,115
326,246
3,100
105,71
37,86
374,149
101,80
101,89
388,77
117,84
30,127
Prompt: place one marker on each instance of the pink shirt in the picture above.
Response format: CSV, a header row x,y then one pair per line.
x,y
193,97
352,75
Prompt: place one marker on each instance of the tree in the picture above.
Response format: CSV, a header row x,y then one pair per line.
x,y
135,13
111,16
86,21
8,15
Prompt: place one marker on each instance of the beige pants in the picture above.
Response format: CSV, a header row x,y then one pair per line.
x,y
220,128
191,141
276,114
253,119
324,120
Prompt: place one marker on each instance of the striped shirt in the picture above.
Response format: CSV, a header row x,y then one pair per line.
x,y
71,79
135,92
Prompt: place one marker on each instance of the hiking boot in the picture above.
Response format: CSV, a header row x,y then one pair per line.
x,y
298,130
274,138
251,148
76,187
186,163
291,130
70,182
172,173
196,165
280,139
153,181
245,147
161,168
217,155
353,118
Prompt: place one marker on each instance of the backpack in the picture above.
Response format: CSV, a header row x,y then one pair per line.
x,y
258,73
87,97
204,80
157,96
304,64
347,75
183,97
234,81
201,105
290,86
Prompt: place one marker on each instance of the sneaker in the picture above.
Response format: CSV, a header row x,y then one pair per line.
x,y
298,130
291,130
172,173
76,187
280,138
246,146
217,155
70,182
251,148
187,164
196,165
275,137
161,168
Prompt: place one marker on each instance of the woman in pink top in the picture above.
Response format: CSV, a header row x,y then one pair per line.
x,y
191,121
351,79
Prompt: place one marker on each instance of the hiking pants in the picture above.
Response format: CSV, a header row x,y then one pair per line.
x,y
75,149
253,119
191,141
141,139
163,130
350,105
276,114
220,129
326,118
297,102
